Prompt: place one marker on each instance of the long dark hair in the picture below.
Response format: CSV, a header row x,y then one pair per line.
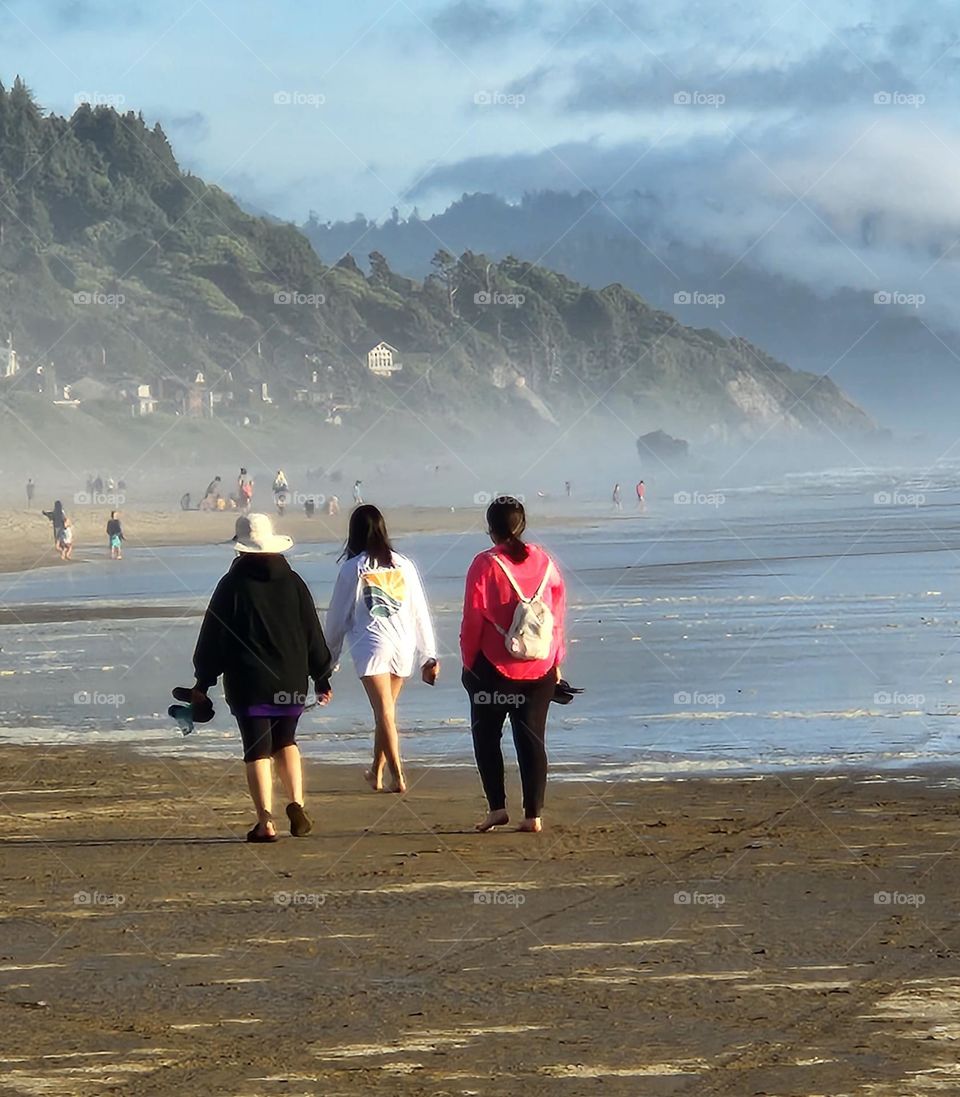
x,y
58,514
506,521
367,533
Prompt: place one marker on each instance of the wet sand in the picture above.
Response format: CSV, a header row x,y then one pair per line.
x,y
771,936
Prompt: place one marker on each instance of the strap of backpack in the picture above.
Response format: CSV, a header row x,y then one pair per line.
x,y
510,578
543,581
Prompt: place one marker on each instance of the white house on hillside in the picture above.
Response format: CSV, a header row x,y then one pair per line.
x,y
9,367
381,361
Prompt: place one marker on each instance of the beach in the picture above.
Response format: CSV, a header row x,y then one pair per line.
x,y
782,936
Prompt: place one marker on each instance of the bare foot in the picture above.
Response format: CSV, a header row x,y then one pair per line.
x,y
375,782
399,785
494,819
531,826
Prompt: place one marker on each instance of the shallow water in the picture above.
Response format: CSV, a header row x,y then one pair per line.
x,y
799,623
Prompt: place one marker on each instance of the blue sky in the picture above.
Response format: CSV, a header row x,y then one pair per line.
x,y
756,126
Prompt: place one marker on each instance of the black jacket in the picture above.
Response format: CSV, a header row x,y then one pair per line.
x,y
262,633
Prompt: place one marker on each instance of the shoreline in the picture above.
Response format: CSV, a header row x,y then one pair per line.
x,y
675,938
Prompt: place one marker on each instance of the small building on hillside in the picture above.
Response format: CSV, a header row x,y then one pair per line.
x,y
382,360
9,366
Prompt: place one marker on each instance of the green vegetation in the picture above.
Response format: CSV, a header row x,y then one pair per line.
x,y
115,264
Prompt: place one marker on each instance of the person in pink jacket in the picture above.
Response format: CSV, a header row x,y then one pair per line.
x,y
504,675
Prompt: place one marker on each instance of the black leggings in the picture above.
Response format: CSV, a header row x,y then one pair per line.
x,y
264,736
492,698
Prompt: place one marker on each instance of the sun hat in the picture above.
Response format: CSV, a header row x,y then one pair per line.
x,y
254,533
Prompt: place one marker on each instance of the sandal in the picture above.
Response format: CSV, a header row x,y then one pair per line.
x,y
255,836
300,822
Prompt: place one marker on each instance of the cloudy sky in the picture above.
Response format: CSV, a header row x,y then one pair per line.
x,y
815,133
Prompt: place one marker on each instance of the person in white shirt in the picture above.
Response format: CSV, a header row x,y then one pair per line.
x,y
379,609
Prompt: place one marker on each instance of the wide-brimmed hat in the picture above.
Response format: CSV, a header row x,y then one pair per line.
x,y
254,533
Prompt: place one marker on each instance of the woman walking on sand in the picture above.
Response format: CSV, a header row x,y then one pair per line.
x,y
115,536
262,633
58,520
379,607
512,643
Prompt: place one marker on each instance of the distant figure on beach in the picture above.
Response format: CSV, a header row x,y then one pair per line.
x,y
115,536
262,633
641,495
213,489
357,494
58,518
567,488
617,504
31,490
333,506
66,540
98,485
512,644
379,608
280,490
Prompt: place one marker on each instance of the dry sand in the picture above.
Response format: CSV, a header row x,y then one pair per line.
x,y
146,950
26,537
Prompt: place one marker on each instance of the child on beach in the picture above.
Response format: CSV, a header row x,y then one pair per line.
x,y
261,632
503,672
379,607
115,536
66,540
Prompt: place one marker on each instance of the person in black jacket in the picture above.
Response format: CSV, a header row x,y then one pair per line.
x,y
261,632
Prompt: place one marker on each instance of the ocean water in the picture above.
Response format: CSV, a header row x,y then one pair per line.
x,y
810,622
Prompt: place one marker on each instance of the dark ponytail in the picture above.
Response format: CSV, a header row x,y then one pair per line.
x,y
506,521
367,533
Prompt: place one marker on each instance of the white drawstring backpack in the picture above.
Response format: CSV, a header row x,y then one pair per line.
x,y
530,635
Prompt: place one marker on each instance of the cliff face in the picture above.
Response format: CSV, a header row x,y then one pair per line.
x,y
119,266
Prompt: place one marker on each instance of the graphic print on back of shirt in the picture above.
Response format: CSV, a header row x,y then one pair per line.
x,y
384,591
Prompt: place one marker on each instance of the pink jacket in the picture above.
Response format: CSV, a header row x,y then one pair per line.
x,y
489,600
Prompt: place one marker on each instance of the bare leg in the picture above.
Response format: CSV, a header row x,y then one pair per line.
x,y
260,783
383,691
290,772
